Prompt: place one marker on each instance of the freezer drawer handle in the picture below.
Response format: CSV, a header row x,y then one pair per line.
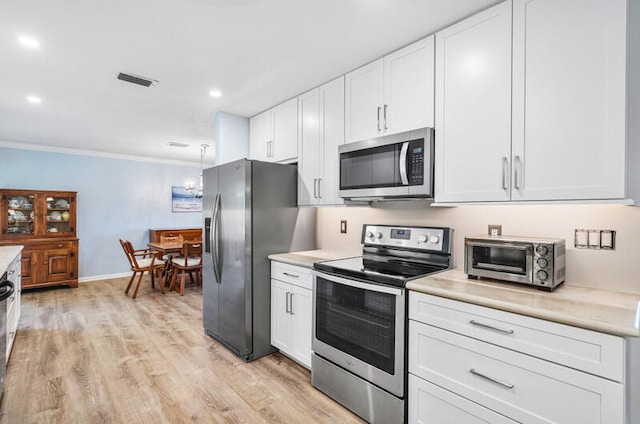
x,y
493,380
491,327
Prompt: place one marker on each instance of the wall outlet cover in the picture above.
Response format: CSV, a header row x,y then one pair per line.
x,y
495,230
343,226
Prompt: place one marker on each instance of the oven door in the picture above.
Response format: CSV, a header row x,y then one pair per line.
x,y
360,327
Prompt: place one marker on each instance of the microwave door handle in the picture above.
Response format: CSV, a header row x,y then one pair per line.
x,y
403,163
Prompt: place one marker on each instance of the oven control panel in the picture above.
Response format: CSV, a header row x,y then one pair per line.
x,y
423,238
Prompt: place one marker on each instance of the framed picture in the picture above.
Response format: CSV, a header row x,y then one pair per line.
x,y
184,201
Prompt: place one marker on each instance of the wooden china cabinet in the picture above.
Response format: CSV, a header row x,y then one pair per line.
x,y
44,222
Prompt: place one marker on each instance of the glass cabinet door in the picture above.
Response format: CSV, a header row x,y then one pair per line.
x,y
21,216
58,215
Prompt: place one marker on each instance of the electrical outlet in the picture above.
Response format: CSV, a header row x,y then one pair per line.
x,y
495,230
343,226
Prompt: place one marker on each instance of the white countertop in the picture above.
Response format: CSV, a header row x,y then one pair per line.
x,y
308,257
600,310
7,255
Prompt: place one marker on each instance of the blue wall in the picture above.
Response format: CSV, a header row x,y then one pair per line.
x,y
117,198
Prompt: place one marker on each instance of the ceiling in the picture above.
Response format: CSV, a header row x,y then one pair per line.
x,y
258,53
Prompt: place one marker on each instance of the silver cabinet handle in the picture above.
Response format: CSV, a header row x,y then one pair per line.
x,y
286,303
315,190
491,327
268,144
291,275
505,170
379,108
319,188
493,380
384,115
518,165
273,148
291,303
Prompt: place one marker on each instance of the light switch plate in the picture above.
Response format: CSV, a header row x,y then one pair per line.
x,y
343,226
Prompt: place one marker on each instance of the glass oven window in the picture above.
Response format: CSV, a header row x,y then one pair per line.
x,y
358,322
513,261
371,168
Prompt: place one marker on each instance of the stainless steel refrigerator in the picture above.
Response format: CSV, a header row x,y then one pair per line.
x,y
250,211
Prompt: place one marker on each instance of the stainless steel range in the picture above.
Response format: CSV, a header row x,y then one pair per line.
x,y
360,317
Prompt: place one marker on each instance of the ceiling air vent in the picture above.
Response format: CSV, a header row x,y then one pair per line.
x,y
177,144
136,79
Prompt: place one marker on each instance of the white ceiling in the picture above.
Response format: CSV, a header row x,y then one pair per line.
x,y
257,52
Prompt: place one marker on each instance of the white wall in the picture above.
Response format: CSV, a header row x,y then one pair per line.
x,y
232,137
617,270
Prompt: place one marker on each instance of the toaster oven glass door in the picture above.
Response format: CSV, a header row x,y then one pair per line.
x,y
506,262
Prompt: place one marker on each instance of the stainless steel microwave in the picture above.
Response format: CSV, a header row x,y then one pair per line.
x,y
535,261
397,166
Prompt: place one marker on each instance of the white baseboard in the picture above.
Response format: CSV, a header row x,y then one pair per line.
x,y
103,277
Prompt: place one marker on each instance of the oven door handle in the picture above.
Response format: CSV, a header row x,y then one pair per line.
x,y
359,284
403,163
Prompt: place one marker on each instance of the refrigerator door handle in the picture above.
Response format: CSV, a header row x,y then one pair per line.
x,y
215,240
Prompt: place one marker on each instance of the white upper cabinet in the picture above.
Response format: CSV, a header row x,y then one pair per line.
x,y
569,82
321,123
392,94
274,133
564,136
473,108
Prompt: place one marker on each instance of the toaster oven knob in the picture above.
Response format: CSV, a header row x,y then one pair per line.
x,y
542,275
542,250
542,262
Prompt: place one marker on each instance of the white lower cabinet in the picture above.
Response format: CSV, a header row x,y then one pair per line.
x,y
291,308
13,303
476,378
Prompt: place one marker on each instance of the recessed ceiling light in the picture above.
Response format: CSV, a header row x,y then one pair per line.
x,y
29,41
34,99
215,93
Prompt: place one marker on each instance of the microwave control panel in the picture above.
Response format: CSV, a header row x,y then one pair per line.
x,y
415,159
422,238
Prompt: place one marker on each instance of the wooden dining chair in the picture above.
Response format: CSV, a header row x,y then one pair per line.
x,y
190,262
141,260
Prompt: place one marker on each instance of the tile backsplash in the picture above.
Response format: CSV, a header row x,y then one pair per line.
x,y
617,270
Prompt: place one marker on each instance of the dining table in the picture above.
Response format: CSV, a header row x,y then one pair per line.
x,y
165,249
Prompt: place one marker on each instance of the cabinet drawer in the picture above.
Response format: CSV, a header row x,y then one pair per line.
x,y
429,403
586,350
49,245
292,274
524,388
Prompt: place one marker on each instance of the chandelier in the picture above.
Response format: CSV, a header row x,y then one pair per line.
x,y
190,185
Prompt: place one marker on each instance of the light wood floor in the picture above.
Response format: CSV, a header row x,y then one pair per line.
x,y
94,355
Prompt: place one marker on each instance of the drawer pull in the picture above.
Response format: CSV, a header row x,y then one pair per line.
x,y
490,327
291,275
493,380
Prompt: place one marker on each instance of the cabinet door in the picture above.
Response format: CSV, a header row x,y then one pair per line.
x,y
285,131
20,214
473,108
569,99
332,135
260,136
280,318
58,265
409,88
301,325
363,102
309,163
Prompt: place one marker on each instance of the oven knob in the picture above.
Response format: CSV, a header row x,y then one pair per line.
x,y
542,275
369,234
434,239
542,250
542,262
422,239
378,234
